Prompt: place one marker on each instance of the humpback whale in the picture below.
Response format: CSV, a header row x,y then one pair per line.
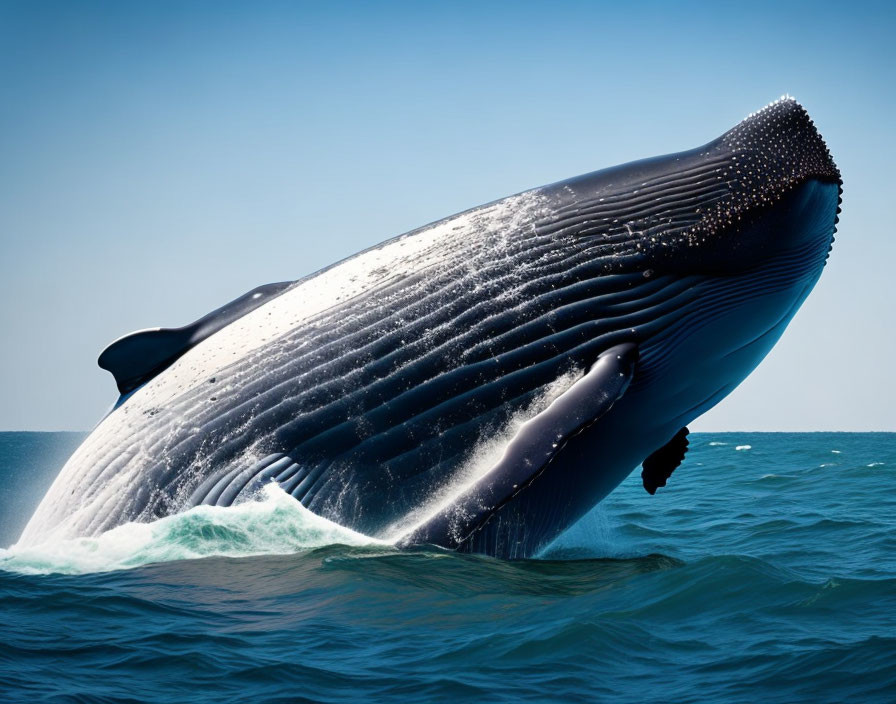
x,y
482,382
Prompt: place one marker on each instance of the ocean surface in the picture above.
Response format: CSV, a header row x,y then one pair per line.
x,y
765,571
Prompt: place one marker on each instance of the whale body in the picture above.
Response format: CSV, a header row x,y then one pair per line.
x,y
482,382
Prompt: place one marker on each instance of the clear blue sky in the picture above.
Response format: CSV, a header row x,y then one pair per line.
x,y
159,159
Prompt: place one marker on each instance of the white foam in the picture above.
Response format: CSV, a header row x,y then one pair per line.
x,y
275,524
482,460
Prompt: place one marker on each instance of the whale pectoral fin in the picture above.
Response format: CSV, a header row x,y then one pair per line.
x,y
531,450
658,467
136,358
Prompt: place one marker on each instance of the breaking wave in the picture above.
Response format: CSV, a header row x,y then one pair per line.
x,y
274,524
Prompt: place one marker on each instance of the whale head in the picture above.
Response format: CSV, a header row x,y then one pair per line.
x,y
766,186
742,225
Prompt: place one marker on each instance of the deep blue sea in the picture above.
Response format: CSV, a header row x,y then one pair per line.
x,y
765,571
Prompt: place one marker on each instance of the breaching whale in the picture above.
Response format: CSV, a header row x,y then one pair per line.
x,y
482,382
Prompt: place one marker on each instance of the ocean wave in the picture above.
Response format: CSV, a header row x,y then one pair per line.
x,y
728,587
275,524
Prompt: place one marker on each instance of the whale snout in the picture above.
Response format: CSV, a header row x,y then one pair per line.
x,y
770,153
767,186
716,208
778,147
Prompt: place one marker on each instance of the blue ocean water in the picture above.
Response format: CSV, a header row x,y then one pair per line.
x,y
765,571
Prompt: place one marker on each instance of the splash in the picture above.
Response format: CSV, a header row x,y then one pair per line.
x,y
481,461
275,524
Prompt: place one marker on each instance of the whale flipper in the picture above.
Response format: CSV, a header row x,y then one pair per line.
x,y
531,450
658,467
136,358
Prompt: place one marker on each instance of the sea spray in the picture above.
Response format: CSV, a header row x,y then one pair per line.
x,y
275,524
